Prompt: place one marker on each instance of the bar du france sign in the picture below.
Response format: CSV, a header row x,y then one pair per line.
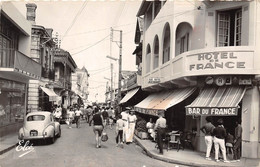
x,y
213,111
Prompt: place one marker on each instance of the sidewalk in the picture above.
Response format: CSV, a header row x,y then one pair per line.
x,y
189,157
8,142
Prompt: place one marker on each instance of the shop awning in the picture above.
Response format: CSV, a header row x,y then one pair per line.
x,y
219,101
129,95
165,100
52,95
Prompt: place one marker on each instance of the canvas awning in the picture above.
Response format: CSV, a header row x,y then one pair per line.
x,y
165,100
129,95
219,101
52,95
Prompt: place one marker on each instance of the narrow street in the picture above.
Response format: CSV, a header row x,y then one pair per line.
x,y
76,147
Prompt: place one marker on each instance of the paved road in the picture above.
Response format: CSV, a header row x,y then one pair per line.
x,y
76,148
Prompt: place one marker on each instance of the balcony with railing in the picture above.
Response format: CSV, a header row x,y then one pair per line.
x,y
14,61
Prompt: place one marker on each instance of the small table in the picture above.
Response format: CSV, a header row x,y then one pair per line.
x,y
174,140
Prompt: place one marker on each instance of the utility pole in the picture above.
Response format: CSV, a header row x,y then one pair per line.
x,y
111,93
120,65
120,71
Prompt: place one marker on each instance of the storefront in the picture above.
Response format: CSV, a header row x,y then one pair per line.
x,y
12,102
171,103
232,103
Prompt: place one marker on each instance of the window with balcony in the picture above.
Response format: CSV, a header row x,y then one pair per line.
x,y
156,52
9,38
166,43
229,28
183,33
148,58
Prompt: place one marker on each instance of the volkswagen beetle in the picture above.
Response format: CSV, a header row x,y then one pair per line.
x,y
40,125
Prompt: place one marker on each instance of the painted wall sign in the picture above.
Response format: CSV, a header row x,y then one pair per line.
x,y
219,60
213,111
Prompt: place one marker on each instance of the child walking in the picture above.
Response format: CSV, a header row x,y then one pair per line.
x,y
119,130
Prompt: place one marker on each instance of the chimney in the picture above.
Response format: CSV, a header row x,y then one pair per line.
x,y
49,31
30,15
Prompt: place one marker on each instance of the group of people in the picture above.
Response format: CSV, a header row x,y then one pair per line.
x,y
222,139
125,125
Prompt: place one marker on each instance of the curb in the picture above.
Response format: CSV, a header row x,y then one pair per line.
x,y
152,155
7,149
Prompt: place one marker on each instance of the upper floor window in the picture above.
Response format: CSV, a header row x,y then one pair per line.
x,y
184,43
166,43
229,28
156,53
148,58
183,33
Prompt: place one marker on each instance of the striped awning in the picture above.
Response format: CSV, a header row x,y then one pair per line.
x,y
129,95
217,101
166,99
52,95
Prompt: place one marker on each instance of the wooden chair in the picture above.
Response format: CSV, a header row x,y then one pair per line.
x,y
174,141
186,140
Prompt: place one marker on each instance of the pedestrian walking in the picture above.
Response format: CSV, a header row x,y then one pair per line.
x,y
105,117
160,127
237,141
125,115
131,127
219,140
78,114
98,127
119,130
71,116
89,113
207,129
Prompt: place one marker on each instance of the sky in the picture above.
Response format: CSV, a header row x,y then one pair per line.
x,y
84,30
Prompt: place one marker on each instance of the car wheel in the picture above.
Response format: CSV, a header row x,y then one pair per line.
x,y
59,134
52,139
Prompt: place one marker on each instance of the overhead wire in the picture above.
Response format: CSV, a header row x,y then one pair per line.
x,y
75,18
91,45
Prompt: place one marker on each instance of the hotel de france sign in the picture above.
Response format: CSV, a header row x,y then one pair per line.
x,y
224,61
220,60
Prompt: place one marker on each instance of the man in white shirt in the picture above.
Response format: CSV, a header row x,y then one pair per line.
x,y
131,126
160,126
125,119
78,113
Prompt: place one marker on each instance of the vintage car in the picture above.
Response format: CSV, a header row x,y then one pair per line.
x,y
40,125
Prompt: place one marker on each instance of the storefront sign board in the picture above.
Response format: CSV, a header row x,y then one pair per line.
x,y
220,60
213,111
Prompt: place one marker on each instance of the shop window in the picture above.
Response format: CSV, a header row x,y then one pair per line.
x,y
229,28
156,53
12,102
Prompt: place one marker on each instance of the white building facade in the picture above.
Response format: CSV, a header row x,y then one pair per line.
x,y
208,50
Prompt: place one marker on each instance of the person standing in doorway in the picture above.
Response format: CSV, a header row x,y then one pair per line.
x,y
160,126
207,129
237,141
98,127
219,140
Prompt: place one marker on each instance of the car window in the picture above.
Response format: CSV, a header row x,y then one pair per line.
x,y
36,118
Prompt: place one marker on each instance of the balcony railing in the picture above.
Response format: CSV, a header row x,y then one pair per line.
x,y
10,58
